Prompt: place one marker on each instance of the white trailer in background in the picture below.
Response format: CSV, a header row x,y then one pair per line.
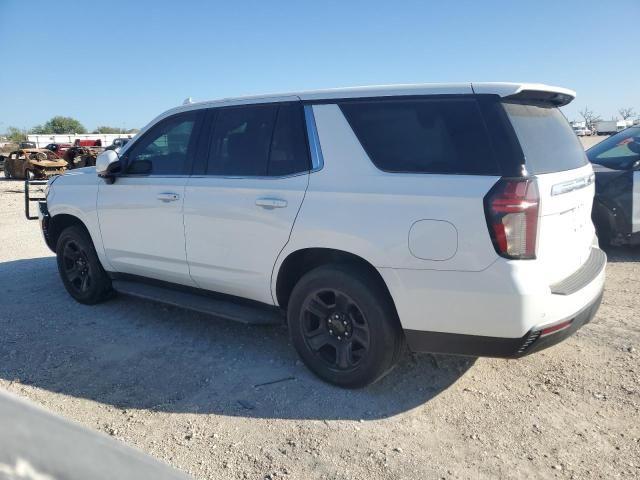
x,y
106,138
609,127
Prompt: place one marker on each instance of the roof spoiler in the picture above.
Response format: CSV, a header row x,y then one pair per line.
x,y
531,93
541,97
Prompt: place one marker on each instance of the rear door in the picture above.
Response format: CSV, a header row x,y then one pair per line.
x,y
554,155
240,209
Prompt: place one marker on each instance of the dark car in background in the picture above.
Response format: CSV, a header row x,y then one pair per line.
x,y
58,148
616,207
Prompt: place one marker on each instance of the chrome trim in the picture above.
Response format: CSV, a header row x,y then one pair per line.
x,y
317,160
252,177
572,185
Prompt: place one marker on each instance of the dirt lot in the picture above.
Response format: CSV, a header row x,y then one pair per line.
x,y
186,388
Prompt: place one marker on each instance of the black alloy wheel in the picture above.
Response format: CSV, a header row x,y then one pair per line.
x,y
79,267
343,324
335,329
76,267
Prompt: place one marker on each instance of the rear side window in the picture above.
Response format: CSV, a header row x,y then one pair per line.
x,y
548,142
289,147
423,136
258,140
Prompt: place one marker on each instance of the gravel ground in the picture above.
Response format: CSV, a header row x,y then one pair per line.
x,y
194,391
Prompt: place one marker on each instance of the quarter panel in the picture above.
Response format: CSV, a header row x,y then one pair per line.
x,y
352,206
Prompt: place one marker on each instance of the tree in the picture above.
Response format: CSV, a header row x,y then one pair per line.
x,y
60,125
15,135
626,113
590,118
104,129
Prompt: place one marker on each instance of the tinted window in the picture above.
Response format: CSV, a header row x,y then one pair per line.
x,y
289,148
620,152
548,142
241,140
166,147
423,136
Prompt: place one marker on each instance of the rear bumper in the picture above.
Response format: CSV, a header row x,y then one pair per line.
x,y
506,310
538,338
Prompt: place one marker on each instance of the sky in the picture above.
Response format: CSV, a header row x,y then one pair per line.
x,y
121,63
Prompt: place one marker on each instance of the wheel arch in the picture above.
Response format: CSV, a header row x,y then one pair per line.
x,y
299,262
58,224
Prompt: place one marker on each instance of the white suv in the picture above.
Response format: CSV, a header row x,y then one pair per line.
x,y
453,217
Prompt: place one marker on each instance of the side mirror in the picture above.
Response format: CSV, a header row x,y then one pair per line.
x,y
108,164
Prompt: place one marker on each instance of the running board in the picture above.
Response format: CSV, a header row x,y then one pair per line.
x,y
238,311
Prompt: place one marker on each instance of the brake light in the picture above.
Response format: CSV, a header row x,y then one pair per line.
x,y
511,208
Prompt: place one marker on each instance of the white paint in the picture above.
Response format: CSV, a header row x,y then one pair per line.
x,y
433,240
142,234
234,233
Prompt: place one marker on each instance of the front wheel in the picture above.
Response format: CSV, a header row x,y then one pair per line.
x,y
344,326
79,267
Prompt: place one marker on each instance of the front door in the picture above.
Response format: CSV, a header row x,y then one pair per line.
x,y
141,213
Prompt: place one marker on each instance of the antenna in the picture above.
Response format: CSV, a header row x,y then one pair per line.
x,y
188,101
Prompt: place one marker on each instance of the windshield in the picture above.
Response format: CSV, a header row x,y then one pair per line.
x,y
619,152
548,142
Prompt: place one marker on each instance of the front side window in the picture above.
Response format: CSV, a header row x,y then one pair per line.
x,y
164,150
619,152
257,141
423,136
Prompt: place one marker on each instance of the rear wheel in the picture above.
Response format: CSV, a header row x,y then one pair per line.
x,y
29,175
344,326
79,267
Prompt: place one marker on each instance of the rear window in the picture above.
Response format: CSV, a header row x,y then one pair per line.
x,y
423,136
548,142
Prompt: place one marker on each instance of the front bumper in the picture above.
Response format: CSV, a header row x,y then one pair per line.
x,y
536,339
45,219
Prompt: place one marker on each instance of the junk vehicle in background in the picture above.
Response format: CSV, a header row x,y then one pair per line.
x,y
83,153
58,148
33,163
616,207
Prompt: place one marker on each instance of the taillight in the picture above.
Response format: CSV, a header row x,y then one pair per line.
x,y
511,208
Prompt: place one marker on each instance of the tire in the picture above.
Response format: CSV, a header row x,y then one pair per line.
x,y
79,267
29,175
344,326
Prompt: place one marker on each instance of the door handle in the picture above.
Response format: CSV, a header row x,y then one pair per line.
x,y
168,197
271,203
